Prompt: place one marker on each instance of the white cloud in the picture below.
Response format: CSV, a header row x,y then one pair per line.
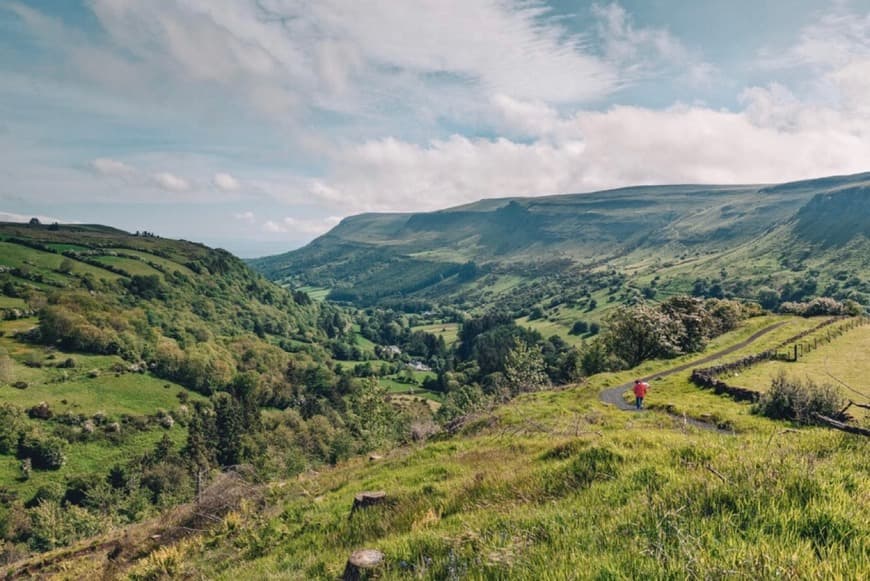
x,y
344,55
247,217
272,227
171,182
226,182
837,38
299,226
643,52
776,138
111,167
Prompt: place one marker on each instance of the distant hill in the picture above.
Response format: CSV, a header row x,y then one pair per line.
x,y
175,304
734,239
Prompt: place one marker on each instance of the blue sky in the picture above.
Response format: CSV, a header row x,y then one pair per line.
x,y
256,125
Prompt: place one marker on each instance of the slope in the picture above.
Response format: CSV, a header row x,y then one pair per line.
x,y
111,344
554,485
677,233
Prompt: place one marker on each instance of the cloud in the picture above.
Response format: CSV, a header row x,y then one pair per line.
x,y
775,138
305,227
645,52
837,37
111,167
341,55
247,217
171,182
226,182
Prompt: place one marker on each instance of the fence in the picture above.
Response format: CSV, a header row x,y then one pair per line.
x,y
708,377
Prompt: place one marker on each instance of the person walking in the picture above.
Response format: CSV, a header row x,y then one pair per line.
x,y
640,389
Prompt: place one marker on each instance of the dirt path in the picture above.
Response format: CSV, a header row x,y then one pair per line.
x,y
613,395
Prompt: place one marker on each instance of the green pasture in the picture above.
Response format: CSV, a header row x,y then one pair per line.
x,y
449,331
47,263
131,266
169,265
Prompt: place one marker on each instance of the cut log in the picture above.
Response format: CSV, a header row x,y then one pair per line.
x,y
362,564
367,499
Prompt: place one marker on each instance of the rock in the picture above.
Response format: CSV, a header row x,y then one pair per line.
x,y
361,563
367,499
375,457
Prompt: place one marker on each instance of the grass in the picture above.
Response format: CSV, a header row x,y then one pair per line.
x,y
557,485
12,303
449,331
844,359
46,263
398,387
169,265
131,266
86,458
365,344
637,501
90,387
316,293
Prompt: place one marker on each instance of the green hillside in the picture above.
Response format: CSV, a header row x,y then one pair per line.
x,y
795,239
554,485
131,366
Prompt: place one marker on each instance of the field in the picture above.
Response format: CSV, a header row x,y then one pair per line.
x,y
316,293
842,363
95,385
450,331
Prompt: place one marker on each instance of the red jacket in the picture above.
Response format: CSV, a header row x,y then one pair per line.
x,y
640,389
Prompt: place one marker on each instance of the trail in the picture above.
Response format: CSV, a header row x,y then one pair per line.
x,y
613,395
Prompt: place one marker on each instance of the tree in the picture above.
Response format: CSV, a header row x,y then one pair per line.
x,y
697,324
66,266
197,452
229,429
524,368
372,417
635,334
580,328
11,427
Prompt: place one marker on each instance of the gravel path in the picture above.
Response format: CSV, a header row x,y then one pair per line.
x,y
613,395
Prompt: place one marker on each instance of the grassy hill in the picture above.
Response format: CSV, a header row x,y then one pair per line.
x,y
112,345
799,240
553,485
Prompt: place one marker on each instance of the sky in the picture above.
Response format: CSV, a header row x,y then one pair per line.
x,y
257,125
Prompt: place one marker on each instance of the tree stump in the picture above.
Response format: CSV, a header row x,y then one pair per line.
x,y
367,499
361,563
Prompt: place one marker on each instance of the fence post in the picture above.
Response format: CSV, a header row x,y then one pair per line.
x,y
795,352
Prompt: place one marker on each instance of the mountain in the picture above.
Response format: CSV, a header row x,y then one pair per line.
x,y
761,235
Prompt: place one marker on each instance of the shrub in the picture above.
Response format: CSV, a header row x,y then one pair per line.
x,y
40,411
580,328
11,426
792,399
45,454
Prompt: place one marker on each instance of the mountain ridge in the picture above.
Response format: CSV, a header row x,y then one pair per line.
x,y
622,227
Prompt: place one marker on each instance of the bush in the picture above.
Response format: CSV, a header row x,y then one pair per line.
x,y
45,454
580,328
792,399
41,411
